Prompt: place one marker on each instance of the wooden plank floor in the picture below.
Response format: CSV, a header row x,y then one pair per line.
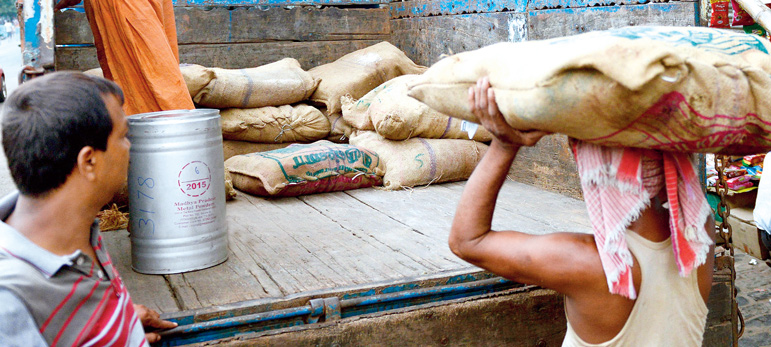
x,y
281,247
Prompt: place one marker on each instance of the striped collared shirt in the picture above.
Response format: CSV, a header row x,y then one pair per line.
x,y
69,300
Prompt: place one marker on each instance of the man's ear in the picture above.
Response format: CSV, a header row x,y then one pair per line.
x,y
87,160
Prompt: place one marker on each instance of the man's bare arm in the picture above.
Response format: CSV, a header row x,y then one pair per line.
x,y
560,261
564,262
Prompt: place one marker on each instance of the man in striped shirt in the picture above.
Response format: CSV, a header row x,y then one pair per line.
x,y
64,136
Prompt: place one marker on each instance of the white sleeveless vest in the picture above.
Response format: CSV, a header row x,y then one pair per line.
x,y
669,310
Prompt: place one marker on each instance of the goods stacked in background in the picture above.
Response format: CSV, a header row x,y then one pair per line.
x,y
418,145
286,131
664,88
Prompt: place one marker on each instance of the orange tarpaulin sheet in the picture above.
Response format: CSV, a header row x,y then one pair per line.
x,y
136,44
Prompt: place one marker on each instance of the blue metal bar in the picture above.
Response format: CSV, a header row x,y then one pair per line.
x,y
241,320
383,302
75,45
419,293
308,314
76,8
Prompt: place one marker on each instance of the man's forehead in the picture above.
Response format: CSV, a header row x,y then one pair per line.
x,y
115,109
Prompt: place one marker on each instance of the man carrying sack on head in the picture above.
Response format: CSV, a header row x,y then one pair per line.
x,y
642,279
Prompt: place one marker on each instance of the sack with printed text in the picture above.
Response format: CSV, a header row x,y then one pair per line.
x,y
232,148
674,89
302,169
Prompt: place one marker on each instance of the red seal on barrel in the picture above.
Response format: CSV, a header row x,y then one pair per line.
x,y
194,178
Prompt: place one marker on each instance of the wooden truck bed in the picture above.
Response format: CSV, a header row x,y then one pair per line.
x,y
287,246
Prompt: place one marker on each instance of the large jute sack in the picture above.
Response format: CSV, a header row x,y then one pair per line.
x,y
397,116
340,130
196,77
355,111
280,83
288,123
674,89
358,72
419,161
232,148
302,169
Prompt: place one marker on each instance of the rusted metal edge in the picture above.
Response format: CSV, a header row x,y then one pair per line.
x,y
318,307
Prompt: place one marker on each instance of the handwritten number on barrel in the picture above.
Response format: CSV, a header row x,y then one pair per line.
x,y
146,222
140,192
147,182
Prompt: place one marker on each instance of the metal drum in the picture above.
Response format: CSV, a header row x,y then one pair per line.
x,y
176,191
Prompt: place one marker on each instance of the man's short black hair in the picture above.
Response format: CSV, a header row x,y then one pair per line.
x,y
48,120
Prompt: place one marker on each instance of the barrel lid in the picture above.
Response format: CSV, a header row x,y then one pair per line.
x,y
173,115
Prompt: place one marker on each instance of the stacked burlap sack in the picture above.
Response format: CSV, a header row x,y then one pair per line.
x,y
324,166
300,169
276,117
418,145
362,93
277,104
674,89
254,104
354,75
261,108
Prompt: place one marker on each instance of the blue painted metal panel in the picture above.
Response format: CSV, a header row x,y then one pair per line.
x,y
542,4
424,8
436,7
277,2
663,7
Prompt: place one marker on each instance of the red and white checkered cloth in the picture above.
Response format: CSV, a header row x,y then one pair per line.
x,y
618,184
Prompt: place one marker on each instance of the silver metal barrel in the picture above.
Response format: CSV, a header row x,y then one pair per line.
x,y
176,191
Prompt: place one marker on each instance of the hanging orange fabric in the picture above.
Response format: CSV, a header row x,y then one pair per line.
x,y
136,43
